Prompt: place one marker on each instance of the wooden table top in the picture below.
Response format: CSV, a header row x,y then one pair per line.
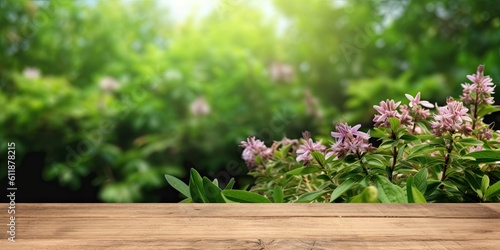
x,y
253,226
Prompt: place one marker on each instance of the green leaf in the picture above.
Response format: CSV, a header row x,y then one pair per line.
x,y
212,192
473,182
295,171
388,192
230,184
278,194
304,170
319,157
470,142
283,151
432,186
485,156
408,137
369,195
341,189
493,190
350,159
409,194
425,137
323,177
485,183
377,133
187,200
424,149
311,196
395,123
418,197
178,185
420,180
196,187
413,193
244,196
488,110
401,151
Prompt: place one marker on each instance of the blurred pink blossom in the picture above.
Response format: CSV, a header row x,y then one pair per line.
x,y
281,72
200,107
108,84
31,73
312,105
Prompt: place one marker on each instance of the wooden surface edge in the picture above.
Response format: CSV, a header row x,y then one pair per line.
x,y
255,226
295,244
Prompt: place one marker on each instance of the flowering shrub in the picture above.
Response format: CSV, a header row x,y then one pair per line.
x,y
444,155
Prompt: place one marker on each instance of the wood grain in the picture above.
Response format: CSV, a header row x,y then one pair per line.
x,y
255,226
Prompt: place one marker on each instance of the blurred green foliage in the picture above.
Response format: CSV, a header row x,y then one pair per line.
x,y
122,92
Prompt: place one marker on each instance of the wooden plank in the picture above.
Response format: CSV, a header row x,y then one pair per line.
x,y
372,229
255,226
253,244
145,210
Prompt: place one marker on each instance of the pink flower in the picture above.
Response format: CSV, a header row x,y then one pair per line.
x,y
345,131
415,101
286,141
418,112
478,148
451,118
306,147
386,109
485,134
481,89
349,141
466,96
253,148
405,116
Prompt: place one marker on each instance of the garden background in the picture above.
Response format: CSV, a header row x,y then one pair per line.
x,y
102,98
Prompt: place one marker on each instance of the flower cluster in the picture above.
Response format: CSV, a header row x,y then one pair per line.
x,y
450,136
386,109
306,147
253,148
451,118
389,108
418,112
481,89
349,141
407,114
